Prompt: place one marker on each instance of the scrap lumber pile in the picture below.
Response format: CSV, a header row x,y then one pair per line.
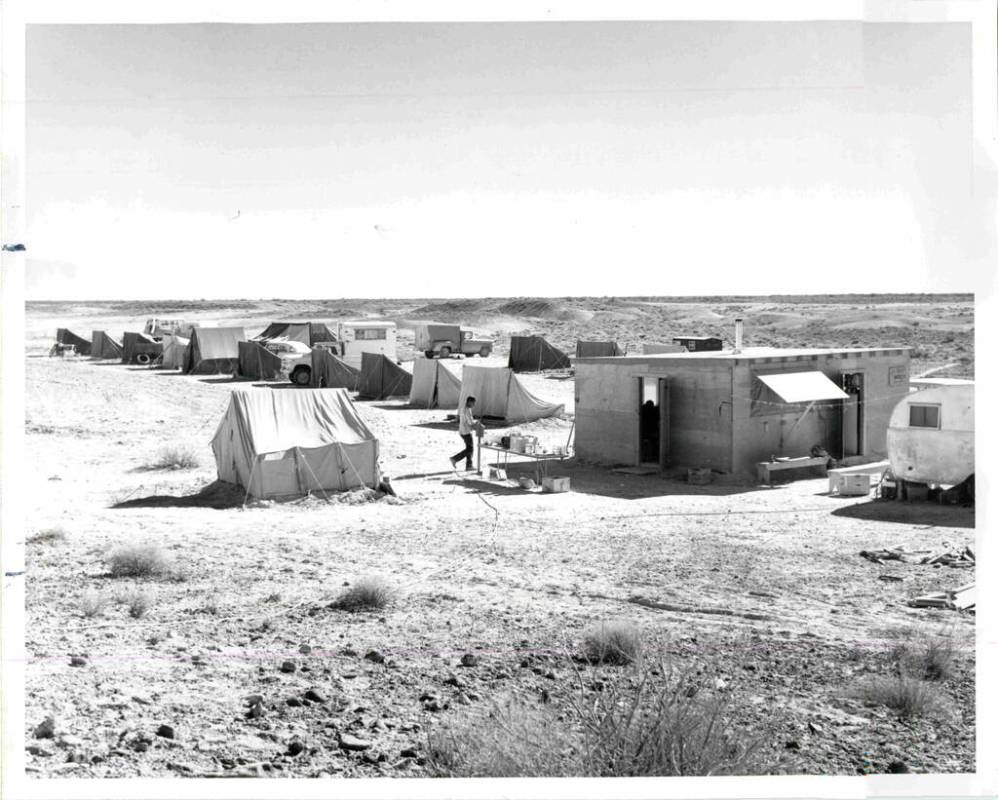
x,y
961,599
963,558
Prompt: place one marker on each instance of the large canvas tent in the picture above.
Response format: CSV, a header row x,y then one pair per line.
x,y
534,354
286,444
594,349
137,348
435,384
258,363
66,336
214,350
310,333
380,377
174,351
498,393
103,346
330,371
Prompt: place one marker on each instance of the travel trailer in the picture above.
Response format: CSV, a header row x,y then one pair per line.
x,y
366,336
930,436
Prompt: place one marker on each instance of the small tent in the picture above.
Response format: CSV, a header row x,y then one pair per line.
x,y
534,354
310,333
287,444
596,349
213,351
380,377
330,371
137,348
174,351
66,336
258,363
498,393
435,384
103,346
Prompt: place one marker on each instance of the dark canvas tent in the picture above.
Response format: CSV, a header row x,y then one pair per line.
x,y
498,393
534,354
214,350
137,348
103,346
596,349
329,371
435,384
380,377
66,336
286,444
258,363
310,333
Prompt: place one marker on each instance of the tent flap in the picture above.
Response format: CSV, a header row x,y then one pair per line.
x,y
803,387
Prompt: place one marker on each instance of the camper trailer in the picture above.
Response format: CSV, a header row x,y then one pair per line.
x,y
930,436
366,336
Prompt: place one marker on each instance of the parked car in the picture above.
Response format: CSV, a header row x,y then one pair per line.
x,y
442,340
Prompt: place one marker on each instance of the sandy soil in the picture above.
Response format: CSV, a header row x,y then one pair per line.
x,y
513,577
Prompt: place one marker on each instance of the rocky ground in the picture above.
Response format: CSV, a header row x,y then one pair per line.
x,y
238,664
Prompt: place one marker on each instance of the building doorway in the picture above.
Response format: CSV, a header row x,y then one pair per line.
x,y
653,421
853,415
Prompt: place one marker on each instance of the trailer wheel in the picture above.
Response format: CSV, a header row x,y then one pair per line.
x,y
301,376
428,353
485,352
445,352
144,359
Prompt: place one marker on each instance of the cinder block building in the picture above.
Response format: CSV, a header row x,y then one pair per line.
x,y
728,410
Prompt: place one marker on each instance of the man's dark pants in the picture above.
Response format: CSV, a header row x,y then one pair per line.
x,y
467,453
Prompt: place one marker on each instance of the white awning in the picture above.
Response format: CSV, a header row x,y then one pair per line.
x,y
803,387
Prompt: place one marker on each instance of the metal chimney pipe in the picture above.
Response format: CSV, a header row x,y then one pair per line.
x,y
738,335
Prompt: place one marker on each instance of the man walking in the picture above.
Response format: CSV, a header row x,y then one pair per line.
x,y
465,425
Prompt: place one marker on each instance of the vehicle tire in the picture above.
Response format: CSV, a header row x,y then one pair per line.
x,y
144,359
301,376
445,352
428,353
485,352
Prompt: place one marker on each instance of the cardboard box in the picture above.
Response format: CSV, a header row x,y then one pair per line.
x,y
556,484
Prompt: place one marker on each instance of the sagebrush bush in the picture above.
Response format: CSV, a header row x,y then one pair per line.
x,y
138,561
92,604
612,643
650,724
138,603
367,594
908,696
176,456
47,536
922,655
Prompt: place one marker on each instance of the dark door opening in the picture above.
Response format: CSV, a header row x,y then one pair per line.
x,y
853,415
653,426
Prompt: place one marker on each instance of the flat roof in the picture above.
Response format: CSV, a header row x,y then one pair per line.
x,y
368,323
746,354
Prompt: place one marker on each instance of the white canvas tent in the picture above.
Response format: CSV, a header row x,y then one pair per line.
x,y
499,393
435,384
174,350
285,444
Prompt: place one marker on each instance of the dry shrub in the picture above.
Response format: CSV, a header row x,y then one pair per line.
x,y
922,655
367,594
612,643
176,456
47,536
138,561
648,725
909,697
92,604
138,603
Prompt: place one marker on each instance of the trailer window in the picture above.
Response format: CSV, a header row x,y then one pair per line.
x,y
372,333
923,416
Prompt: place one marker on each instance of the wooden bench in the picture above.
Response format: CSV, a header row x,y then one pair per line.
x,y
764,469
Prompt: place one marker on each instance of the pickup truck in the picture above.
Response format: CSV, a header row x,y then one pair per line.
x,y
442,340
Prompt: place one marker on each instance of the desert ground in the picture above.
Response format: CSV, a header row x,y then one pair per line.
x,y
760,593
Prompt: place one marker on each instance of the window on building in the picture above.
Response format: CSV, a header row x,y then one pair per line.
x,y
923,416
372,333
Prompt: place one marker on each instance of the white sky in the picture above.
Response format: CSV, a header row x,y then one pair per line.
x,y
465,159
